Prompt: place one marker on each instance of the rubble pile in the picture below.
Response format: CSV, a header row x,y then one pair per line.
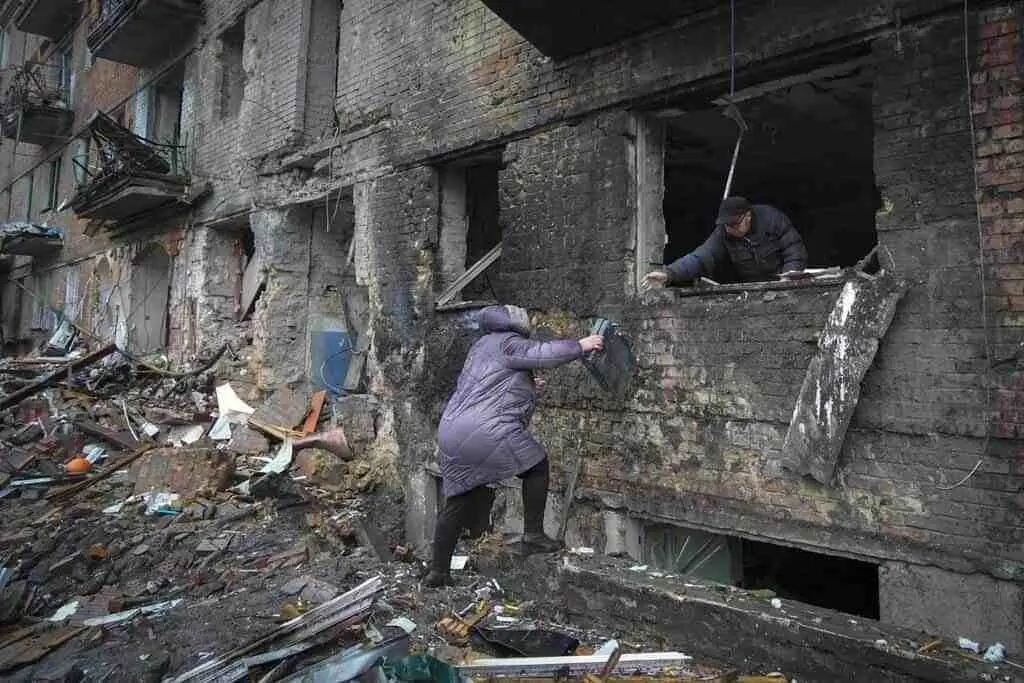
x,y
159,527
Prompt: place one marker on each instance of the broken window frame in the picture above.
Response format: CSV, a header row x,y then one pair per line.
x,y
458,171
647,160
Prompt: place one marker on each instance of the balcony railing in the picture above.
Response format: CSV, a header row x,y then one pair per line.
x,y
143,33
36,107
126,176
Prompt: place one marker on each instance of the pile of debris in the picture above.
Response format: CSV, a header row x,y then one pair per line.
x,y
154,523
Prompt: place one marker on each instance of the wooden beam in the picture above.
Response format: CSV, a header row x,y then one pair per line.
x,y
48,379
472,273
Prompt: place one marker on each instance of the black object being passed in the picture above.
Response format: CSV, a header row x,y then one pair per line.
x,y
613,367
528,643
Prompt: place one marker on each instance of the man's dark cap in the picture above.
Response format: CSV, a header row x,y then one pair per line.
x,y
731,209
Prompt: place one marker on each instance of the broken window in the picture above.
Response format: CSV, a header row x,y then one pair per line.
x,y
232,69
470,228
322,67
827,581
53,186
807,150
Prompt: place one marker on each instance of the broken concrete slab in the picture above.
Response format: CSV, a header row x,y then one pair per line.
x,y
859,319
247,441
183,471
281,413
808,643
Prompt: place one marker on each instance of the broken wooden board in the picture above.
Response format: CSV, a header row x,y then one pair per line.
x,y
51,377
472,273
859,319
253,280
280,414
313,417
33,648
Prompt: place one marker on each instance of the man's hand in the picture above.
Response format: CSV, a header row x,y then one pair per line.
x,y
594,342
656,277
539,383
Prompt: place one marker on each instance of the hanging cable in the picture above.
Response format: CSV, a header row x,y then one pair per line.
x,y
981,259
732,49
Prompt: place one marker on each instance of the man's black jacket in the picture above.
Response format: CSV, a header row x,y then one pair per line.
x,y
772,246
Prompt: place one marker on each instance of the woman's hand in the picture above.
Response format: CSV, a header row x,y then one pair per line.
x,y
539,383
594,342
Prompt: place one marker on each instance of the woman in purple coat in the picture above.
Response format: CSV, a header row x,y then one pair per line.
x,y
483,433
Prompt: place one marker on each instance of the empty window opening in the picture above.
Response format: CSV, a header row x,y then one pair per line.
x,y
837,583
232,69
53,187
808,151
470,228
322,67
164,125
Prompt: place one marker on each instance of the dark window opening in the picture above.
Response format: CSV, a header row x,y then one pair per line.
x,y
164,124
808,151
470,222
828,581
232,69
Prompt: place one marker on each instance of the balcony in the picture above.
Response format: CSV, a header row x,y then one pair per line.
x,y
49,18
29,239
127,178
142,33
571,27
35,108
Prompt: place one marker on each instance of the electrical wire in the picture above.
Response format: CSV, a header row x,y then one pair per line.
x,y
981,259
732,48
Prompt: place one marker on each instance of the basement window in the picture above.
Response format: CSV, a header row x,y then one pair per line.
x,y
808,151
470,228
232,69
828,581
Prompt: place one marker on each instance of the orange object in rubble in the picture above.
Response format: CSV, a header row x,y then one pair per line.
x,y
78,465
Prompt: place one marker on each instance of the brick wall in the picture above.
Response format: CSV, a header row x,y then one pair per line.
x,y
719,375
999,124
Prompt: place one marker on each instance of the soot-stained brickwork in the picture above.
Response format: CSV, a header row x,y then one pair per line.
x,y
928,483
694,441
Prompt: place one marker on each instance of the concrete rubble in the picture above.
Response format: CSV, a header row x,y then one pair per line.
x,y
178,556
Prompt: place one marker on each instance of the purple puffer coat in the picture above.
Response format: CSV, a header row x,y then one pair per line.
x,y
483,435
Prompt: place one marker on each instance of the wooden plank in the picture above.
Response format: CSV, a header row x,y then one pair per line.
x,y
50,378
859,319
252,284
122,441
313,418
472,273
68,491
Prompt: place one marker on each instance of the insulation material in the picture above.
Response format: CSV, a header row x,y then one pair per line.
x,y
859,319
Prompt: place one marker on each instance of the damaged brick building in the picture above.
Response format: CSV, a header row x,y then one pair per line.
x,y
320,176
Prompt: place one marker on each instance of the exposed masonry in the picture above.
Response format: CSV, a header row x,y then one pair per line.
x,y
419,86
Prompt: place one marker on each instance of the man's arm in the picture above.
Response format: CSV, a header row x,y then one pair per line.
x,y
794,254
702,261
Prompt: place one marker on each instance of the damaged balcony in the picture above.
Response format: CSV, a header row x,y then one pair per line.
x,y
127,177
142,33
573,27
35,109
49,18
29,239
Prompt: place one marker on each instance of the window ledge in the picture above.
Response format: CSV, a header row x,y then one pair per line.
x,y
463,306
771,286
